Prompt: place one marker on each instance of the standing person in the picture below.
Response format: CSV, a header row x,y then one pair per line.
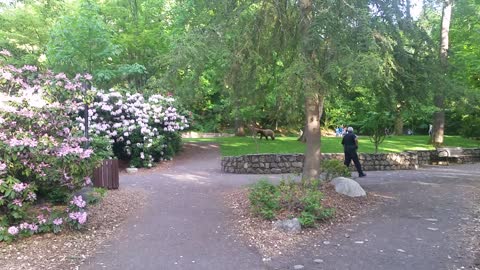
x,y
430,129
350,146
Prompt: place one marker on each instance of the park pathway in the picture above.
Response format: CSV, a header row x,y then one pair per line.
x,y
184,225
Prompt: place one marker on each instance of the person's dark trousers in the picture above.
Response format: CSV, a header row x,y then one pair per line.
x,y
349,155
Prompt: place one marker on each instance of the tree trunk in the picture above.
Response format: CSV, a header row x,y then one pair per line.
x,y
311,163
439,98
313,97
302,137
398,129
239,128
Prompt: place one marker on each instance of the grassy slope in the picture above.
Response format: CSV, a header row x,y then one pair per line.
x,y
233,146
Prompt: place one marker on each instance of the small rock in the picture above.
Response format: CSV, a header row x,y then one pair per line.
x,y
298,266
132,170
318,260
358,242
431,219
289,225
401,250
326,242
347,235
432,229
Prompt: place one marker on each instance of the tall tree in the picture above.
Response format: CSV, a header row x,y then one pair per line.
x,y
81,42
439,98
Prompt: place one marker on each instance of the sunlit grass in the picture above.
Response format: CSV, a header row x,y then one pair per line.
x,y
234,146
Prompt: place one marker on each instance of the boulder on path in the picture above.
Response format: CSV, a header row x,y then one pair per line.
x,y
288,225
348,187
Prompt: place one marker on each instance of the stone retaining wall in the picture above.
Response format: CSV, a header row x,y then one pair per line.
x,y
293,163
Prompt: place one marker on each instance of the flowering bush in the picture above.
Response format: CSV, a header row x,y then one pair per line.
x,y
142,131
42,151
77,216
40,146
47,220
15,197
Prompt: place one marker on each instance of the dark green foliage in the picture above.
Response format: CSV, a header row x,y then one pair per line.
x,y
302,199
55,194
374,125
334,168
96,195
264,199
471,126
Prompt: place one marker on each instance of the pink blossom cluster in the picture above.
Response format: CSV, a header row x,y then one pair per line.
x,y
20,81
30,142
19,187
81,217
78,201
58,221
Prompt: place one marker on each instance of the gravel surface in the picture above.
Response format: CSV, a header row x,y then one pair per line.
x,y
69,249
260,234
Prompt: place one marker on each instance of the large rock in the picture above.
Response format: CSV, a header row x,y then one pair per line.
x,y
288,225
348,187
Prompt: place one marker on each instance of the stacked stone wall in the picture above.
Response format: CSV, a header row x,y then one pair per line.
x,y
293,163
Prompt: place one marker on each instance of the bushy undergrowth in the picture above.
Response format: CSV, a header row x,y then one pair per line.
x,y
334,168
302,199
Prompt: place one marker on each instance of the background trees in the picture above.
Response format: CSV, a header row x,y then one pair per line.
x,y
275,63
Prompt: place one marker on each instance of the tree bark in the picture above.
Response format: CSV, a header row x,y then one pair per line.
x,y
439,98
239,128
311,163
302,137
398,128
313,97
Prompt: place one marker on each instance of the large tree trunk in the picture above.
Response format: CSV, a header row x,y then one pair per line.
x,y
239,128
398,128
439,98
311,164
313,98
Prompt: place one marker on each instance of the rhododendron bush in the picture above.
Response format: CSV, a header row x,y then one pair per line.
x,y
143,131
44,154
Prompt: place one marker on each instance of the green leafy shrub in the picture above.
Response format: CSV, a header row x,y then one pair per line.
x,y
307,219
334,168
299,198
264,199
96,195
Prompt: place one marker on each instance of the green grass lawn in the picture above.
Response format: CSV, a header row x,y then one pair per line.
x,y
234,146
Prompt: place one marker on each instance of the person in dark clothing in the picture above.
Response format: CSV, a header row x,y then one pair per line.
x,y
350,146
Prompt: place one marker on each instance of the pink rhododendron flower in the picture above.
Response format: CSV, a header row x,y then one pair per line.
x,y
17,202
41,219
58,221
33,228
78,201
32,196
13,230
88,181
19,187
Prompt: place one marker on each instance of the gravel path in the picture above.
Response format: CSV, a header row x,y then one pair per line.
x,y
184,224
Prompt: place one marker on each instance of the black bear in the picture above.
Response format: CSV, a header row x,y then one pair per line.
x,y
265,132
